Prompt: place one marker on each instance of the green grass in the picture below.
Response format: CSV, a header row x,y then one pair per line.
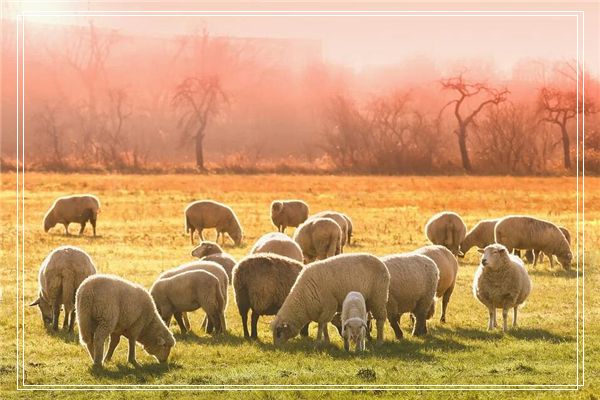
x,y
141,234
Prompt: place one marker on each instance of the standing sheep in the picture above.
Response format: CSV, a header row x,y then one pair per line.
x,y
448,270
261,283
278,243
321,288
536,256
524,233
339,219
501,281
110,306
205,214
413,282
210,251
77,209
447,229
61,273
187,292
354,321
286,213
319,238
481,235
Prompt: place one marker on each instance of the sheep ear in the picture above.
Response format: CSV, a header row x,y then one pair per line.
x,y
160,341
480,250
36,302
502,250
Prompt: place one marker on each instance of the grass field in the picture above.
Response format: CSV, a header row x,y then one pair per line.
x,y
141,234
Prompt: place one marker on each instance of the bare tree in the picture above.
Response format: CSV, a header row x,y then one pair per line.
x,y
480,93
49,127
113,140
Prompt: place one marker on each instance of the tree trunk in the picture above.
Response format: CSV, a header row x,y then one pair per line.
x,y
566,147
200,152
462,144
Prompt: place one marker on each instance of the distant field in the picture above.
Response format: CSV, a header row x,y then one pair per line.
x,y
142,233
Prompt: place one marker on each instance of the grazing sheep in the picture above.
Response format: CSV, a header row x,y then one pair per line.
x,y
354,321
187,292
205,214
286,213
501,281
261,283
413,282
77,209
278,243
110,306
447,229
202,265
481,235
448,270
524,233
321,289
535,256
339,219
61,273
319,238
350,227
210,251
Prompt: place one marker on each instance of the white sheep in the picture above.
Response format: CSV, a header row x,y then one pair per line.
x,y
321,289
481,235
210,251
205,214
501,281
108,306
447,229
79,209
339,219
354,321
319,238
61,273
278,243
286,213
413,282
525,232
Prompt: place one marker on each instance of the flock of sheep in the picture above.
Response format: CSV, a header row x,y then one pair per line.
x,y
302,279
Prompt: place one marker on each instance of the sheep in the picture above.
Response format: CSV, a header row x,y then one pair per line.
x,y
111,306
447,229
501,281
210,251
278,243
261,283
319,238
481,235
350,228
187,292
204,265
61,273
413,282
535,256
204,214
321,289
286,213
354,321
78,209
339,219
448,270
525,232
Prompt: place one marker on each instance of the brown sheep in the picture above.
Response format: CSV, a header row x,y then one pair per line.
x,y
319,238
210,251
286,213
78,209
205,214
447,229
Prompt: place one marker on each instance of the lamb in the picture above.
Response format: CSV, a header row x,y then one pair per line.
x,y
204,214
354,321
110,306
61,273
261,283
278,243
203,265
481,235
78,209
536,256
447,229
286,213
525,232
187,292
321,289
210,251
413,283
501,281
319,238
448,270
350,227
340,219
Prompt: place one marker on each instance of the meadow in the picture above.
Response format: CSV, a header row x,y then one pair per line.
x,y
141,233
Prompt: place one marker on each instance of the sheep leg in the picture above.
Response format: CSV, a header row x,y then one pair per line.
x,y
420,327
254,325
93,222
491,322
504,318
180,322
551,258
200,233
304,330
445,301
72,321
99,337
380,324
244,315
66,319
514,317
186,320
325,333
205,323
395,324
536,256
55,316
131,356
346,344
192,235
115,338
82,228
67,229
319,332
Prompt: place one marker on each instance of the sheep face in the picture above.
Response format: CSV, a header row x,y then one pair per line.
x,y
494,256
354,330
565,260
45,309
49,222
160,348
276,208
236,235
206,249
282,332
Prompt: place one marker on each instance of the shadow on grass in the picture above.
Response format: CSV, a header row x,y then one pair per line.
x,y
518,333
63,334
555,273
141,374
